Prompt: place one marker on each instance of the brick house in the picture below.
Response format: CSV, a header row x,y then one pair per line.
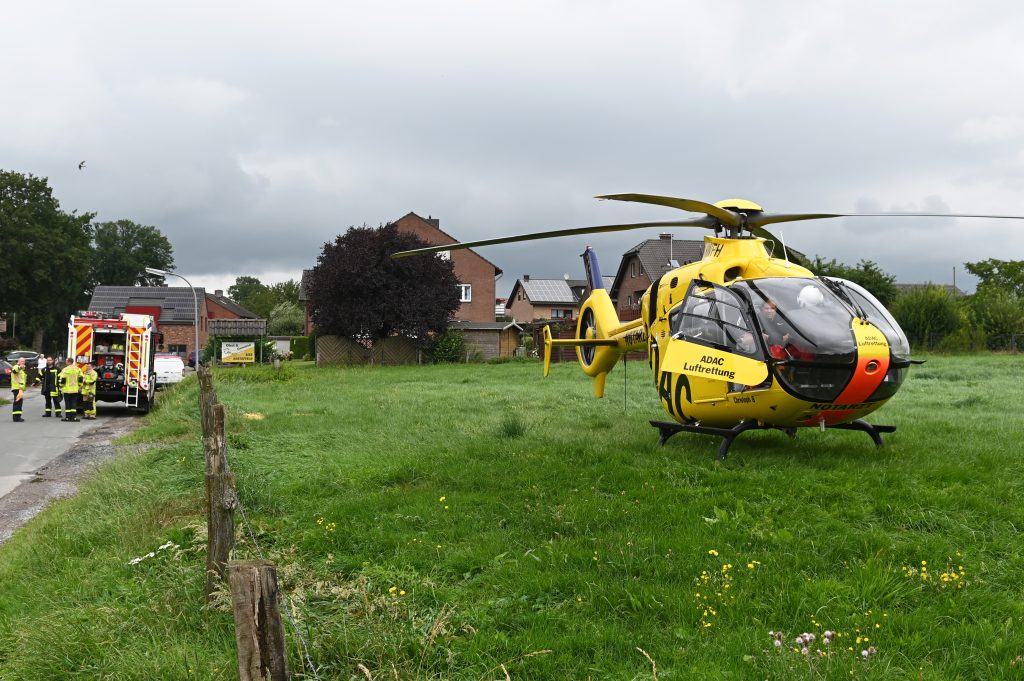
x,y
222,307
543,299
644,263
172,306
228,319
476,274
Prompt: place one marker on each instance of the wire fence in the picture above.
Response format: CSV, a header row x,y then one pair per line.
x,y
221,484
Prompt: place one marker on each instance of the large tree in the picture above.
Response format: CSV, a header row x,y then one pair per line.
x,y
1007,275
45,258
356,290
866,273
245,289
124,250
286,319
257,297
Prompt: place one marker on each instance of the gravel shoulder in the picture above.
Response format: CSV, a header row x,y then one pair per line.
x,y
60,477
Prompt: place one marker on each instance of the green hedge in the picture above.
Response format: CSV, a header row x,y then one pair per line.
x,y
299,346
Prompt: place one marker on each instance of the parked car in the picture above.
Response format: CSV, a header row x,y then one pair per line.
x,y
30,357
169,369
5,373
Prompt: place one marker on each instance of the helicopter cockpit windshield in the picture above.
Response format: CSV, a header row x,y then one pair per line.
x,y
802,319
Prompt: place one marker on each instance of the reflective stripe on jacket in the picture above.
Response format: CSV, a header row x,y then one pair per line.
x,y
50,382
89,382
18,378
69,378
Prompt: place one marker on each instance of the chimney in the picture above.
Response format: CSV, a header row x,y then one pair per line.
x,y
526,277
219,293
667,236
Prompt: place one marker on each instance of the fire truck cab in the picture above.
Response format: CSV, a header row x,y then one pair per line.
x,y
121,349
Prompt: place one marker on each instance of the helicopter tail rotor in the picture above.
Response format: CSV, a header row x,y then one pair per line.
x,y
600,340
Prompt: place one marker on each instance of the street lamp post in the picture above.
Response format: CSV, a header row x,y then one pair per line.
x,y
163,273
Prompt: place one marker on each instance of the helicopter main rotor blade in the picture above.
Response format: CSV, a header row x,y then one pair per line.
x,y
759,219
694,206
705,222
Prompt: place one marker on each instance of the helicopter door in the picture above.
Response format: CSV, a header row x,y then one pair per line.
x,y
714,338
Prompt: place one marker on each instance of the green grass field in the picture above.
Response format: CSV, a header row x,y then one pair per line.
x,y
480,522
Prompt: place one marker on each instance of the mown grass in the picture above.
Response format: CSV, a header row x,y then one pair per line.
x,y
468,522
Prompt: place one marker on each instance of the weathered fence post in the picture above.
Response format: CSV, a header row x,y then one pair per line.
x,y
221,500
259,634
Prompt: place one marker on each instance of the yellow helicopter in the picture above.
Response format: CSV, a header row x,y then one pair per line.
x,y
742,339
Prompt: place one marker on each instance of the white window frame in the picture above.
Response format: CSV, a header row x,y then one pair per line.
x,y
465,293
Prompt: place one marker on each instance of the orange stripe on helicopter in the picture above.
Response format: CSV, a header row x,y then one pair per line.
x,y
872,364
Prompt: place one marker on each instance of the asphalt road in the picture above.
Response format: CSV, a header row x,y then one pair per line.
x,y
25,447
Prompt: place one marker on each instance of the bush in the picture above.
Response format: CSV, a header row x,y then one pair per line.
x,y
449,347
998,311
299,346
968,338
927,315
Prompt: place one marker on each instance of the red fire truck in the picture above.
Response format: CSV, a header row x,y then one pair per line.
x,y
121,350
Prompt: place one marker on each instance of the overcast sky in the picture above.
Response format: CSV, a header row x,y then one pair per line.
x,y
251,133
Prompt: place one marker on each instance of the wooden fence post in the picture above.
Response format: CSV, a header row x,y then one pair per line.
x,y
259,634
207,398
221,500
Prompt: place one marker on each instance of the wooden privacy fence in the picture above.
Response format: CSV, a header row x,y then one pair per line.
x,y
341,350
259,634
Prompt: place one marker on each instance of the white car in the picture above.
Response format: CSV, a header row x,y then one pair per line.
x,y
169,369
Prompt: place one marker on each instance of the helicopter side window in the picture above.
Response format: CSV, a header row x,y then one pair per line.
x,y
714,316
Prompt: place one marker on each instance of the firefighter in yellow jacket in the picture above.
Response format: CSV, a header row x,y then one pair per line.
x,y
89,377
70,386
19,379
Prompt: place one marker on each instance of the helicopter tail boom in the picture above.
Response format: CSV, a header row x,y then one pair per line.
x,y
601,339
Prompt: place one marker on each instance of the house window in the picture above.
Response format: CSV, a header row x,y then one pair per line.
x,y
561,314
632,268
641,265
179,350
629,300
465,293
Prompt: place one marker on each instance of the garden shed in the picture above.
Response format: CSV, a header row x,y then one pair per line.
x,y
489,340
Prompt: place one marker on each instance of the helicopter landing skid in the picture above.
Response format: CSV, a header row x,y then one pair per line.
x,y
868,428
667,430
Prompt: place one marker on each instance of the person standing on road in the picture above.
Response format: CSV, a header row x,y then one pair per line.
x,y
70,380
19,379
50,388
89,391
40,367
